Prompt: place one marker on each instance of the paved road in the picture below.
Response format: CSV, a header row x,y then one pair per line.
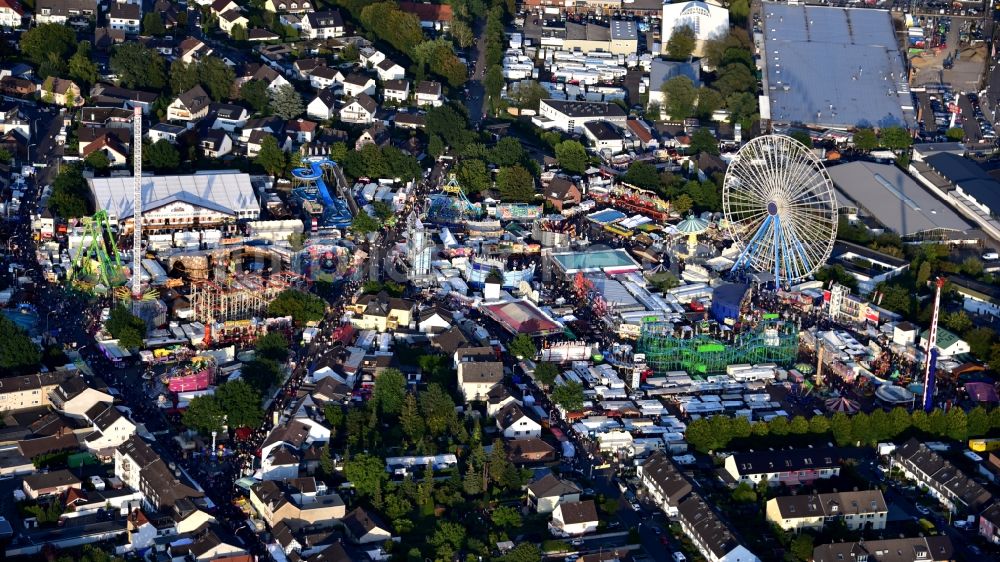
x,y
474,99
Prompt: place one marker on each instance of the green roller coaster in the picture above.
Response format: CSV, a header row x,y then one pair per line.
x,y
770,342
97,261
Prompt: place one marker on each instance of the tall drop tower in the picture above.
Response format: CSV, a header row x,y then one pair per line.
x,y
137,204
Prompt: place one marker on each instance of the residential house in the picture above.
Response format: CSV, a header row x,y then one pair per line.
x,y
256,142
60,91
324,77
125,17
380,312
477,378
710,534
396,90
326,24
54,483
74,397
115,151
60,11
361,110
790,467
301,130
409,120
110,117
289,6
948,343
141,468
944,481
859,510
165,131
376,134
262,35
549,491
304,67
428,92
989,523
570,519
605,138
192,50
300,501
357,84
362,527
265,74
571,116
450,341
11,14
561,192
370,56
663,482
232,19
435,16
498,398
219,7
936,548
168,13
530,450
215,143
106,94
433,320
514,422
14,86
644,135
192,105
323,106
212,543
228,117
389,70
111,429
29,391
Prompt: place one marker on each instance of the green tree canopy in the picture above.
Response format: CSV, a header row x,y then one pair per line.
x,y
272,345
546,373
152,24
262,374
709,100
47,39
363,223
522,346
271,157
285,102
204,415
97,160
702,140
161,156
865,139
389,393
572,156
17,352
438,409
139,67
681,44
680,95
81,66
399,29
569,395
303,307
70,196
642,174
472,175
254,92
125,327
241,404
367,473
516,185
896,138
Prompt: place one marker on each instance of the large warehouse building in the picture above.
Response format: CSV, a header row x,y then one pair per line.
x,y
202,200
833,68
894,199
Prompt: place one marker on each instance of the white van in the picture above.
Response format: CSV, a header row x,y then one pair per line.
x,y
990,256
679,557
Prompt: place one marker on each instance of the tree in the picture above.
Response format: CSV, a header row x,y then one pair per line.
x,y
367,473
680,95
546,373
349,53
239,33
841,427
681,43
254,92
438,409
865,139
958,321
896,138
527,94
240,403
803,137
569,396
642,174
17,351
507,152
462,34
802,547
262,373
303,307
739,10
286,102
447,539
735,78
493,84
139,67
742,108
798,426
81,67
506,517
524,552
161,156
957,424
448,124
819,425
715,49
270,157
47,40
98,160
972,266
389,393
273,346
837,274
183,76
473,176
980,339
702,140
70,195
204,415
709,101
522,346
516,185
363,223
218,78
399,29
152,24
127,328
410,420
744,493
956,134
977,422
572,156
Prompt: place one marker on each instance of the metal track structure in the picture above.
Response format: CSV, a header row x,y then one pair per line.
x,y
770,342
242,297
137,204
97,260
451,206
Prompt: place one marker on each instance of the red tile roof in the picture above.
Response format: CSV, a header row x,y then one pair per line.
x,y
427,12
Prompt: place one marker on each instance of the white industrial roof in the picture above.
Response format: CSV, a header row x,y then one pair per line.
x,y
227,189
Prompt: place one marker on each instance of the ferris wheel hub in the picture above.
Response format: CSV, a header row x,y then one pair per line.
x,y
772,208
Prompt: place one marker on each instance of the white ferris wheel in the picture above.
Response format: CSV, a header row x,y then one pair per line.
x,y
780,208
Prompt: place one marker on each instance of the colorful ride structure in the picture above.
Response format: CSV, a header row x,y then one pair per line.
x,y
312,191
